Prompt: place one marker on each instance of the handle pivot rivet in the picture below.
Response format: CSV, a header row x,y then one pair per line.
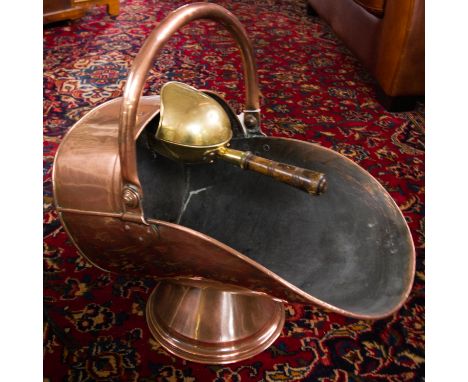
x,y
130,198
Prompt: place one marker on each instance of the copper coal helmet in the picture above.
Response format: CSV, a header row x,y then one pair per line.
x,y
137,193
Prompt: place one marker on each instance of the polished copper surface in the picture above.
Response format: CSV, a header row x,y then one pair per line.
x,y
87,164
87,181
86,169
165,250
99,200
209,323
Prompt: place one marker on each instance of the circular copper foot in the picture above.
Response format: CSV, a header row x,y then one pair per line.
x,y
203,322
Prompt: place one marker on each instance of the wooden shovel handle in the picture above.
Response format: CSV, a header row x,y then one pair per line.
x,y
310,181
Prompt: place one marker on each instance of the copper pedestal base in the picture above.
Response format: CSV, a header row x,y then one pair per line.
x,y
203,322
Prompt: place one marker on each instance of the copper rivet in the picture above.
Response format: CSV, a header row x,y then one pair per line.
x,y
130,198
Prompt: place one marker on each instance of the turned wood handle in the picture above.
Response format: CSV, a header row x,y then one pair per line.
x,y
310,181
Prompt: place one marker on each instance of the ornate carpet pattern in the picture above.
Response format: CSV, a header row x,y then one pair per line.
x,y
315,90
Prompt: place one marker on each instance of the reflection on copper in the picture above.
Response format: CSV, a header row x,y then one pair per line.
x,y
239,303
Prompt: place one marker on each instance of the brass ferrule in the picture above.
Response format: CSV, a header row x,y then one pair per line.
x,y
236,157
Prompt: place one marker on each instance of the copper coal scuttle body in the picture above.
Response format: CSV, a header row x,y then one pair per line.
x,y
157,186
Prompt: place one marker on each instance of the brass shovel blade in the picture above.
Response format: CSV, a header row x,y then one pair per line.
x,y
190,118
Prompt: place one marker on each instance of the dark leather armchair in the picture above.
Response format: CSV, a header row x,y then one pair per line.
x,y
388,37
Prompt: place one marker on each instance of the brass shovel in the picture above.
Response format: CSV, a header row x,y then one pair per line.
x,y
194,128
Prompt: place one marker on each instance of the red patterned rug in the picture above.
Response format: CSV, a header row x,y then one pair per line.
x,y
315,90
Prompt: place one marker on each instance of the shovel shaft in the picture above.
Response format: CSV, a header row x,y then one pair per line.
x,y
310,181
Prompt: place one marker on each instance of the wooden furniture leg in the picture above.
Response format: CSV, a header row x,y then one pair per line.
x,y
113,7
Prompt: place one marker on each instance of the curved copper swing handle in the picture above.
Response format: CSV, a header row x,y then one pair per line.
x,y
131,187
